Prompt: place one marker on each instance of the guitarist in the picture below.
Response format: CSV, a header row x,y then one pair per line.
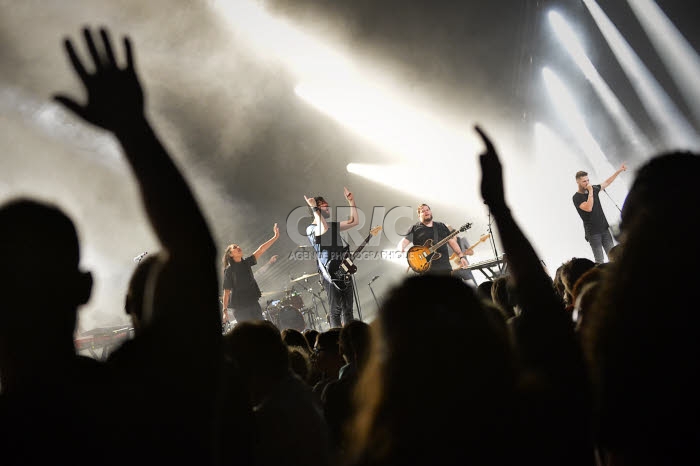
x,y
330,248
460,272
426,229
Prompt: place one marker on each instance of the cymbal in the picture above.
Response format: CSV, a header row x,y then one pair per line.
x,y
305,276
272,293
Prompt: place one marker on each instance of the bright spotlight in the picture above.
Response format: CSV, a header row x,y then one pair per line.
x,y
373,106
672,124
628,128
682,61
568,111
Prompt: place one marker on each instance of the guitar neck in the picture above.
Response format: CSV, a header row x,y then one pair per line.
x,y
360,247
456,257
439,244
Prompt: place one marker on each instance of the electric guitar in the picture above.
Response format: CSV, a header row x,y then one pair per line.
x,y
343,272
455,259
421,257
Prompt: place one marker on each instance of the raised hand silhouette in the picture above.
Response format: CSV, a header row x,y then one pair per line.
x,y
491,173
114,94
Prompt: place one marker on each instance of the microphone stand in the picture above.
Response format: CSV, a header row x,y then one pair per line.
x,y
373,295
315,299
357,296
612,200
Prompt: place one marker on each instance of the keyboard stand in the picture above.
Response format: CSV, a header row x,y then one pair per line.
x,y
492,268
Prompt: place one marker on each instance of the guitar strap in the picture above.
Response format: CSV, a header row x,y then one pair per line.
x,y
323,270
435,232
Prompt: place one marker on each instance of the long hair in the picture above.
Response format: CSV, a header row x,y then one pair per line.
x,y
226,260
438,358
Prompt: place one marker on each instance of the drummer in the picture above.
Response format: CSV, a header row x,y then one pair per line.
x,y
241,290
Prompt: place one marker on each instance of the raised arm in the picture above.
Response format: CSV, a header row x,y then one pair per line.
x,y
115,102
535,292
320,225
607,182
266,245
261,270
354,218
543,332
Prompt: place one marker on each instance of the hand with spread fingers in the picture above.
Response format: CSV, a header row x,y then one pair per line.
x,y
114,95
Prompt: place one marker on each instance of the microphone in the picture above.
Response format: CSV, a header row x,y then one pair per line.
x,y
140,256
373,279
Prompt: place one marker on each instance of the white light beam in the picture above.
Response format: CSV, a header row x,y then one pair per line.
x,y
682,61
671,122
628,128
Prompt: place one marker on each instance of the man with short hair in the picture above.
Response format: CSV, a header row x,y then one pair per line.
x,y
424,230
588,207
330,248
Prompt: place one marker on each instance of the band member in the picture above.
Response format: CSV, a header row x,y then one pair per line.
x,y
458,270
426,229
325,238
241,291
588,207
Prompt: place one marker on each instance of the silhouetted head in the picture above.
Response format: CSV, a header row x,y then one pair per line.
x,y
293,337
299,362
439,359
641,334
258,350
572,270
41,283
503,295
483,290
354,342
615,252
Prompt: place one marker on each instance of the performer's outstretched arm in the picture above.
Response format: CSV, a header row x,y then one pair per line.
x,y
607,182
266,245
354,218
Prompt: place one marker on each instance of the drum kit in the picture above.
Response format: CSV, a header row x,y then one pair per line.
x,y
288,309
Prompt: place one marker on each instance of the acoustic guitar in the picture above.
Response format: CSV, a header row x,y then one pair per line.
x,y
420,257
455,259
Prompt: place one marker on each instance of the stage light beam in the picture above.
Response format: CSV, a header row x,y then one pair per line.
x,y
565,105
571,43
375,106
672,124
682,61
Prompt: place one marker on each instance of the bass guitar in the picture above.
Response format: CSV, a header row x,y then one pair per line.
x,y
420,257
343,272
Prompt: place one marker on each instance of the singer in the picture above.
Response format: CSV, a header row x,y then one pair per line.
x,y
595,225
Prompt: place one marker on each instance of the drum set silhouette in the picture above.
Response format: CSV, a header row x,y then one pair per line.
x,y
286,308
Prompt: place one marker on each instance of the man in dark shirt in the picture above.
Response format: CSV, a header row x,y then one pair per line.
x,y
241,291
425,230
329,246
588,207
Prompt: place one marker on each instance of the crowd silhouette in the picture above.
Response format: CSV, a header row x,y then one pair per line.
x,y
599,366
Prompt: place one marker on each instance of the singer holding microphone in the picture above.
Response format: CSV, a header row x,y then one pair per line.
x,y
588,207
